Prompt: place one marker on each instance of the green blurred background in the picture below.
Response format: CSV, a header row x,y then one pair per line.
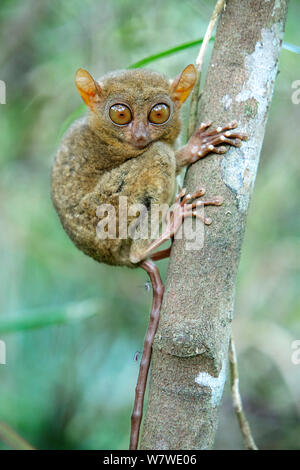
x,y
70,385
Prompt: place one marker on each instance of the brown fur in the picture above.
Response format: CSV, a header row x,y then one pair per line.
x,y
98,161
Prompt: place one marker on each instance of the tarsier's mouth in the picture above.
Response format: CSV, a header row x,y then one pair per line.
x,y
141,144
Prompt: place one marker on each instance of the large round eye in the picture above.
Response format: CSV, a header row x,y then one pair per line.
x,y
120,114
159,113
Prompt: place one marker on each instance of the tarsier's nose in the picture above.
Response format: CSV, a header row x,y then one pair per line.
x,y
140,133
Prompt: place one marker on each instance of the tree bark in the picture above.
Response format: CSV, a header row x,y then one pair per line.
x,y
191,345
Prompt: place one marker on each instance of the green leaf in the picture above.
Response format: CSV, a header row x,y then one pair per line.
x,y
51,316
291,47
167,53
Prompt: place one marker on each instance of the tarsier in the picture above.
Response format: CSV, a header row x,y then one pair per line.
x,y
125,147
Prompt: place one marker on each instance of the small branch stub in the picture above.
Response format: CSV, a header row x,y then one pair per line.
x,y
237,400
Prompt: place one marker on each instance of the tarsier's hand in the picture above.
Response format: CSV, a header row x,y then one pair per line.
x,y
205,141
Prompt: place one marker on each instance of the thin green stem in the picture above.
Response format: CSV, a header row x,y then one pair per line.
x,y
167,52
12,439
237,400
51,316
199,62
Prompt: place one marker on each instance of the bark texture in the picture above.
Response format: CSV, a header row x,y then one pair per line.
x,y
191,345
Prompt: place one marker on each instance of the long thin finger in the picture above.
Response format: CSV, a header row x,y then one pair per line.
x,y
202,127
225,140
220,129
205,220
190,197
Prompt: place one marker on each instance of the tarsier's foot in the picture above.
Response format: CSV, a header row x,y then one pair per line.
x,y
184,206
205,141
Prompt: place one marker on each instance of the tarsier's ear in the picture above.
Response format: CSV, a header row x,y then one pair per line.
x,y
88,88
183,84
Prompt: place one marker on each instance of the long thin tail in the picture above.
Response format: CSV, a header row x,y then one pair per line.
x,y
158,291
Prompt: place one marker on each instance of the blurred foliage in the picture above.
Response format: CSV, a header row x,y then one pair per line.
x,y
72,385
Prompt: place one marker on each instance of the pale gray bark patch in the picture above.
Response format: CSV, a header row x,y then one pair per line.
x,y
226,100
239,169
215,384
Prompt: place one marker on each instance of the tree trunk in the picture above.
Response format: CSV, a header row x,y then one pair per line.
x,y
191,345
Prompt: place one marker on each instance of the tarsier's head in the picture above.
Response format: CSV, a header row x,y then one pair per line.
x,y
138,106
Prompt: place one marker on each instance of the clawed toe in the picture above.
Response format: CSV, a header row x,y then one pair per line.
x,y
219,150
205,220
191,197
235,135
206,140
217,201
230,125
203,126
180,194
